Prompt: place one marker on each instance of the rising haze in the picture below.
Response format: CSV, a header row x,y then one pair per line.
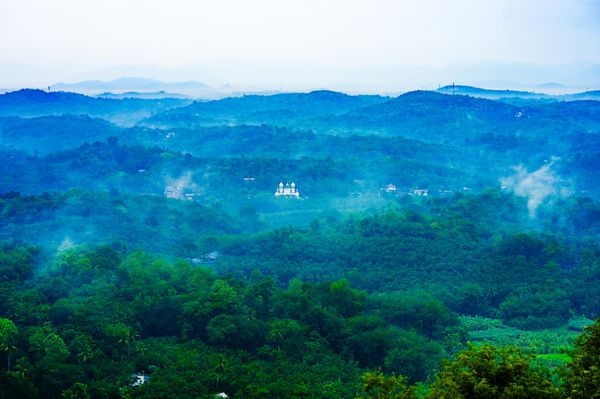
x,y
381,45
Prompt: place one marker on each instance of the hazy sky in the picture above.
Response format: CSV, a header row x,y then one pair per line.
x,y
274,42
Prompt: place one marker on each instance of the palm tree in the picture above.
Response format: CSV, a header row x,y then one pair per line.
x,y
219,369
8,332
277,334
9,349
85,355
22,367
127,338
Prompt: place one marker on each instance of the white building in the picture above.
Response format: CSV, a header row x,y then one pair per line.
x,y
419,192
289,190
139,379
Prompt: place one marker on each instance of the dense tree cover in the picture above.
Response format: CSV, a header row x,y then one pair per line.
x,y
48,134
109,166
459,118
508,135
351,291
412,114
83,323
475,141
582,376
469,253
174,228
87,320
377,385
325,175
283,108
31,103
530,279
500,372
494,373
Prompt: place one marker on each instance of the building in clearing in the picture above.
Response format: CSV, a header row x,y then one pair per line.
x,y
419,192
289,190
139,379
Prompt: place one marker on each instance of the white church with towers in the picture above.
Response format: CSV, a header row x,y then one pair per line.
x,y
289,190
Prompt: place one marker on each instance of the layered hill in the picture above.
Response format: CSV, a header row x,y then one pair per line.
x,y
273,109
29,103
47,134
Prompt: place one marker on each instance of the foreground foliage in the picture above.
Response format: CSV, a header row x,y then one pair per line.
x,y
84,324
488,372
582,376
90,319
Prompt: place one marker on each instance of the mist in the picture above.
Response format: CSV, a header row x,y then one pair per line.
x,y
380,46
146,251
538,186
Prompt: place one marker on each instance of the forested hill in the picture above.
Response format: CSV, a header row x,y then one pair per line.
x,y
274,109
46,134
421,114
424,246
30,102
454,119
88,318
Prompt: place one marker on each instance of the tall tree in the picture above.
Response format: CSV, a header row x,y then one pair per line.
x,y
489,372
8,334
582,376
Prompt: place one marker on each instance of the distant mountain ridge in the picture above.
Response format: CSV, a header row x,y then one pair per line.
x,y
488,93
190,88
151,95
131,83
494,94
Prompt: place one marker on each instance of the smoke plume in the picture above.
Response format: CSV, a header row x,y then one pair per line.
x,y
178,188
536,186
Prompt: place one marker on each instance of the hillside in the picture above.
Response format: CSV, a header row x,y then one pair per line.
x,y
272,109
142,237
47,134
30,103
490,94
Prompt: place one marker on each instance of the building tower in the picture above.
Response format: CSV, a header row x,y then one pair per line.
x,y
289,190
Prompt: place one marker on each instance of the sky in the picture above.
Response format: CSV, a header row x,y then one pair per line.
x,y
274,43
